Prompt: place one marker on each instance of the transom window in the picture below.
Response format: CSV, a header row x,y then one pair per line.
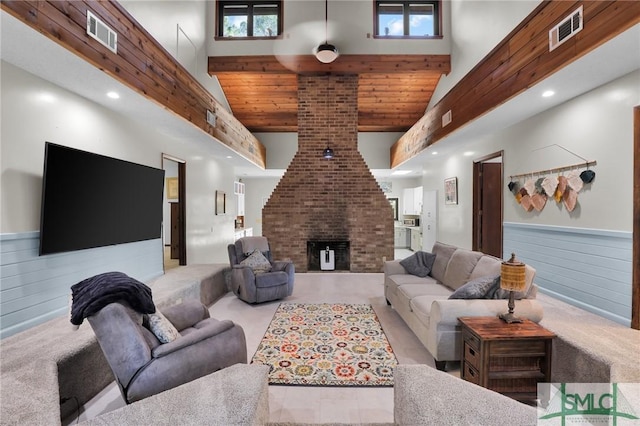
x,y
249,19
407,18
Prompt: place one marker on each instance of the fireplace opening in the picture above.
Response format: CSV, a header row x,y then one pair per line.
x,y
323,255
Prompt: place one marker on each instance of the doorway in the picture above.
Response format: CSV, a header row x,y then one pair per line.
x,y
487,204
174,212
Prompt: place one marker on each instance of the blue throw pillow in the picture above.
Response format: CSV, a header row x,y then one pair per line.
x,y
419,263
476,289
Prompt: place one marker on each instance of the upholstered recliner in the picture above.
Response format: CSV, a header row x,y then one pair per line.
x,y
257,287
143,366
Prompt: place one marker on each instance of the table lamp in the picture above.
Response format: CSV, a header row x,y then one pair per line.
x,y
512,278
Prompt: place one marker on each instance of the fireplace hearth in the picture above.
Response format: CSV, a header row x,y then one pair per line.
x,y
318,259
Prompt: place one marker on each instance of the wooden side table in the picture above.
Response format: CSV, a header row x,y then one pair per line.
x,y
507,358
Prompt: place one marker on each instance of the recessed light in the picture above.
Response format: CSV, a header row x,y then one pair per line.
x,y
400,172
228,156
548,93
434,153
113,95
468,153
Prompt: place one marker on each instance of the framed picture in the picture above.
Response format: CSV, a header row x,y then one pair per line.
x,y
394,206
172,188
451,190
221,202
386,186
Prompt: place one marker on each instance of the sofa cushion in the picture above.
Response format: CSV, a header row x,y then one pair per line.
x,y
443,253
487,265
414,290
411,279
460,267
475,289
419,263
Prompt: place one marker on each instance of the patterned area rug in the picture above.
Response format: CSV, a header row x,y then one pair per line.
x,y
326,345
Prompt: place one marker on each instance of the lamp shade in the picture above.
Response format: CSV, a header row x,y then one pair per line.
x,y
327,53
327,153
512,275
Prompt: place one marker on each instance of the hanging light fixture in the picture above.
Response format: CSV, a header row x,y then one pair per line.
x,y
326,53
327,153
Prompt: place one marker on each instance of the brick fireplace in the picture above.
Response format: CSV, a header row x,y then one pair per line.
x,y
335,199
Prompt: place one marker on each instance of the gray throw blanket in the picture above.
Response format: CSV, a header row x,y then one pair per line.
x,y
92,294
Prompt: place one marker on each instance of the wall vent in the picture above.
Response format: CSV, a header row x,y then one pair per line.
x,y
446,118
101,32
566,29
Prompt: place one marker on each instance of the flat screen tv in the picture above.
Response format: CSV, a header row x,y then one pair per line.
x,y
89,200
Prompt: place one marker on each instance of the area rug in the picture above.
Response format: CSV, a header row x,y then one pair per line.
x,y
326,345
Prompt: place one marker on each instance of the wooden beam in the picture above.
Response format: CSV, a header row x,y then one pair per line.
x,y
345,64
518,62
141,63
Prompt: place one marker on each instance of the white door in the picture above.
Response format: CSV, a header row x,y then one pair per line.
x,y
429,219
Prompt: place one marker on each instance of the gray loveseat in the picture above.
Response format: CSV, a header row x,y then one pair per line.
x,y
424,304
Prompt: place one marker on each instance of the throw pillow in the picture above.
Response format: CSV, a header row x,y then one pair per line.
x,y
474,289
257,262
419,263
162,328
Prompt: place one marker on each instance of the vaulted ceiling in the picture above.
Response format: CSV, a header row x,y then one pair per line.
x,y
393,90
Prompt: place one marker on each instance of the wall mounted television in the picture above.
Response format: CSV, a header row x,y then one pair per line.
x,y
90,200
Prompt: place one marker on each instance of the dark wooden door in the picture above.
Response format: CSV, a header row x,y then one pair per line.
x,y
487,204
175,230
491,226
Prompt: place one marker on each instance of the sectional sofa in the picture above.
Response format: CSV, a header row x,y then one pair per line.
x,y
424,304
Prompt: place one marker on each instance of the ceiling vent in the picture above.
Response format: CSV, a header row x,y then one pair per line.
x,y
99,30
566,29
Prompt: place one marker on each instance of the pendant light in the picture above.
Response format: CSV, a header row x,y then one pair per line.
x,y
326,53
327,153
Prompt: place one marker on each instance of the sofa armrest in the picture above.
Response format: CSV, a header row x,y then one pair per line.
x,y
447,311
186,314
393,267
211,328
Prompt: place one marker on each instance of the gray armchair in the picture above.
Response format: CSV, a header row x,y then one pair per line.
x,y
263,286
143,366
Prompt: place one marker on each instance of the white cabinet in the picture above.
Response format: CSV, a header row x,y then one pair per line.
x,y
238,189
416,239
417,200
412,201
400,239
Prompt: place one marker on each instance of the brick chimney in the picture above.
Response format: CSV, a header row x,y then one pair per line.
x,y
335,199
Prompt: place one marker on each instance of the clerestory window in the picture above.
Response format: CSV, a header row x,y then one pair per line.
x,y
249,19
407,19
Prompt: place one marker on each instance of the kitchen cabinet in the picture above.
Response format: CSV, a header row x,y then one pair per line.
x,y
401,237
244,232
412,201
416,239
238,190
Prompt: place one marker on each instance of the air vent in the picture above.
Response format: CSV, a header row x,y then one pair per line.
x,y
566,29
99,30
211,118
446,118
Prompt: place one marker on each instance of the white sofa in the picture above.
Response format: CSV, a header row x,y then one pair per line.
x,y
424,304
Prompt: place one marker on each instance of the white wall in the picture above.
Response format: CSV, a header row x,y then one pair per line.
x,y
597,126
349,23
476,28
40,111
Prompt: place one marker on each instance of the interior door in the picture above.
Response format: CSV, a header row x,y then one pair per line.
x,y
487,205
